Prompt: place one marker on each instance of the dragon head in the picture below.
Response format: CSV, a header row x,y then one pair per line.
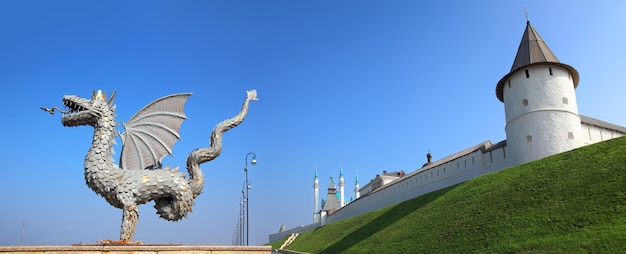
x,y
82,111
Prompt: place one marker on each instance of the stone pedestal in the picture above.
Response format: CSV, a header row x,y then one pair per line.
x,y
135,249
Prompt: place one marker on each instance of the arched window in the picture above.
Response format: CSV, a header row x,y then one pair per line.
x,y
529,138
570,135
525,102
565,101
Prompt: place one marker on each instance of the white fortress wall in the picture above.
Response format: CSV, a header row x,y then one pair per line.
x,y
460,167
495,158
300,229
595,130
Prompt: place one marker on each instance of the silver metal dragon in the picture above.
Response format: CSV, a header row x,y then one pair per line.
x,y
149,136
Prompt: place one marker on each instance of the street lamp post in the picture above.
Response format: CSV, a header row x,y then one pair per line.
x,y
241,209
247,199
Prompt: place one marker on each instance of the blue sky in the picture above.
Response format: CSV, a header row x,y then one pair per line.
x,y
373,85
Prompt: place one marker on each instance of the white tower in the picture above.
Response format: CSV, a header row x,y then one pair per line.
x,y
539,102
356,186
316,196
342,200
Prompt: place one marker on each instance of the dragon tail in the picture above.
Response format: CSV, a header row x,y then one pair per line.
x,y
175,208
202,155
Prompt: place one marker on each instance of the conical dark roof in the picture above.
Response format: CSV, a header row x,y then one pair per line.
x,y
533,50
332,202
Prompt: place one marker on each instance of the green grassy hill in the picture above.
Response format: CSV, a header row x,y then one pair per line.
x,y
574,202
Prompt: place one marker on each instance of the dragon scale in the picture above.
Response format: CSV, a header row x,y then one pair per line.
x,y
127,188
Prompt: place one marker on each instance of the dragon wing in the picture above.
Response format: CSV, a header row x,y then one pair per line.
x,y
151,133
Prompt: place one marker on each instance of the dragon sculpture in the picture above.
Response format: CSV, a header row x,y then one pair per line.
x,y
149,136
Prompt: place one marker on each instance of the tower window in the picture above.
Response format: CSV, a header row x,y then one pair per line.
x,y
550,69
509,83
525,102
570,135
565,101
527,76
529,138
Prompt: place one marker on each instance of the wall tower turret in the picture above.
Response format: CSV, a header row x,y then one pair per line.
x,y
539,102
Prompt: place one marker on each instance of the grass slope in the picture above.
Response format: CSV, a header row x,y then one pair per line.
x,y
571,202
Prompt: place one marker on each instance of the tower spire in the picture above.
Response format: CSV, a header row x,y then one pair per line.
x,y
341,169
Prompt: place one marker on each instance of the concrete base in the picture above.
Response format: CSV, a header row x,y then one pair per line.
x,y
135,249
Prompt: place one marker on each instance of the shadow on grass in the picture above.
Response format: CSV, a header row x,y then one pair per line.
x,y
386,219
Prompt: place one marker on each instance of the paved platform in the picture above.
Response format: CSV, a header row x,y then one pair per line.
x,y
135,249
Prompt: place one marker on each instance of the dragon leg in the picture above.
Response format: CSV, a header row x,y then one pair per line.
x,y
129,220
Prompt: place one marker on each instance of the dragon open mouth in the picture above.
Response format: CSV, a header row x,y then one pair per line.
x,y
78,112
72,107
